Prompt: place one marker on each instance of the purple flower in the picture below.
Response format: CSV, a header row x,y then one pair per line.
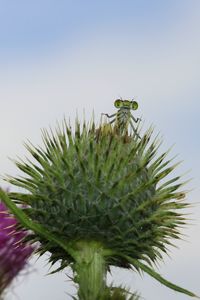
x,y
14,252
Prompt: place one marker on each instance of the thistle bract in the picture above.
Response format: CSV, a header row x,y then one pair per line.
x,y
97,196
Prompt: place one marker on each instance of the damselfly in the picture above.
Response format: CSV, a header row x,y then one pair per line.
x,y
123,117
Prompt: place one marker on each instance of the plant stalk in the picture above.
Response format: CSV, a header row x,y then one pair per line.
x,y
90,270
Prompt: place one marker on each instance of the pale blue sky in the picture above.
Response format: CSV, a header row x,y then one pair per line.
x,y
59,56
26,26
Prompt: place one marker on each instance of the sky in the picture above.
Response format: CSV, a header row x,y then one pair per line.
x,y
60,57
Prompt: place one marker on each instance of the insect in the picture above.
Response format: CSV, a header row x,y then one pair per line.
x,y
123,117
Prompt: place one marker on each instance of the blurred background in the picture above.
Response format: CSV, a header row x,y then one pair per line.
x,y
61,57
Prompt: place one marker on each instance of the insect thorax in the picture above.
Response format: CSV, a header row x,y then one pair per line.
x,y
122,119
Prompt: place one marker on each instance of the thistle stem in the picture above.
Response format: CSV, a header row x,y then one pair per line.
x,y
90,270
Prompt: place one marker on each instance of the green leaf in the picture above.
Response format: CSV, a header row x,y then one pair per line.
x,y
136,263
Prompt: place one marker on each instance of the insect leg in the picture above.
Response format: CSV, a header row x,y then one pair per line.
x,y
135,131
112,121
107,115
135,120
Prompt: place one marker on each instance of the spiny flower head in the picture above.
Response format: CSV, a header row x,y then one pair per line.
x,y
98,186
13,251
96,189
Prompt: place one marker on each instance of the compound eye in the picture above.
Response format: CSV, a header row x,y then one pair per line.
x,y
118,103
134,105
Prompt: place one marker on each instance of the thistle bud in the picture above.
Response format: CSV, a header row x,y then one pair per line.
x,y
97,199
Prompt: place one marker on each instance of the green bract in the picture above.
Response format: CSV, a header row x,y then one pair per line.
x,y
95,198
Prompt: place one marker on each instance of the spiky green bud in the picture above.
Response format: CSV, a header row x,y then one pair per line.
x,y
94,199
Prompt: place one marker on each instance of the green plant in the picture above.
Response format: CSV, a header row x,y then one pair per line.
x,y
96,198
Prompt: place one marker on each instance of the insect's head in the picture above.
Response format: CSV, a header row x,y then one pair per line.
x,y
119,103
